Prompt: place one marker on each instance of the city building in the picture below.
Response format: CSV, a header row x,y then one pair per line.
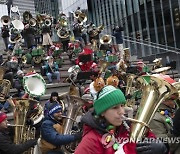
x,y
151,27
50,7
24,5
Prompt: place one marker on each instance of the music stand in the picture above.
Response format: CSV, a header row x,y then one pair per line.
x,y
85,58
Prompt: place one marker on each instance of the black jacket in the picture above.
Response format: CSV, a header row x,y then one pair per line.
x,y
8,147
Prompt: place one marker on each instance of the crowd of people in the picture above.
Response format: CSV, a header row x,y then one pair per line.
x,y
106,126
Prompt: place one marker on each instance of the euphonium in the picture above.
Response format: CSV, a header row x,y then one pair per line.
x,y
5,85
155,90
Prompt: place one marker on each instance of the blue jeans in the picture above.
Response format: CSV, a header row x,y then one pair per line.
x,y
6,105
50,75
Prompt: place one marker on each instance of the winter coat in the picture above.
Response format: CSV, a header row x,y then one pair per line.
x,y
8,147
162,129
52,137
118,36
28,35
91,142
55,67
5,32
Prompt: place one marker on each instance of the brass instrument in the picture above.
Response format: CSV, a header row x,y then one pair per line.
x,y
5,20
39,18
80,16
32,22
37,59
27,16
103,66
96,31
5,85
129,88
106,39
63,33
48,22
24,110
74,109
154,91
158,63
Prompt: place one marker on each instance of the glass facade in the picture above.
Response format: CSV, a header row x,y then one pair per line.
x,y
157,22
50,7
68,6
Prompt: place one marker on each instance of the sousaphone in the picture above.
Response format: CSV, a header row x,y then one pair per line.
x,y
18,24
34,85
5,20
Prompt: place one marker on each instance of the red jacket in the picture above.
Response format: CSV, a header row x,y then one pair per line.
x,y
91,142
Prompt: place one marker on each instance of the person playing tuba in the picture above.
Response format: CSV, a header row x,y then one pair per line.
x,y
52,131
6,144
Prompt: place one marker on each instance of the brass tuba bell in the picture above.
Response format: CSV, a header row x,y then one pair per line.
x,y
106,39
155,90
32,22
48,22
5,20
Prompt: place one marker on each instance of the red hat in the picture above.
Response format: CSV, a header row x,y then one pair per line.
x,y
3,116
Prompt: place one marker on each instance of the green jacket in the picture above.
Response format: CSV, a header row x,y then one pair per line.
x,y
162,129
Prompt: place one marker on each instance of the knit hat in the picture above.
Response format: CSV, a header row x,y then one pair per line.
x,y
54,108
3,116
54,94
108,97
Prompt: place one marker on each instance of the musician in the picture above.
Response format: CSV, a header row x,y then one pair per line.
x,y
5,36
6,143
47,41
104,126
53,99
52,132
78,34
162,123
29,36
18,83
52,69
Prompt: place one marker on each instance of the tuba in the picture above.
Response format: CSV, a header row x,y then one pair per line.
x,y
75,104
34,85
106,39
5,85
5,20
155,89
63,33
32,22
27,113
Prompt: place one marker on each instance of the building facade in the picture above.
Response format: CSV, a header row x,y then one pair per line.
x,y
151,27
68,6
24,5
50,7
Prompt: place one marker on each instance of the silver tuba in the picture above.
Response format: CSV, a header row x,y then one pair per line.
x,y
73,111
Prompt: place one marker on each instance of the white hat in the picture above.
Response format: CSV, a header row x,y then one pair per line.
x,y
49,57
20,72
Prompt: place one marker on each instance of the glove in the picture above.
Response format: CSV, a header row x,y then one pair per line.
x,y
176,123
78,136
150,148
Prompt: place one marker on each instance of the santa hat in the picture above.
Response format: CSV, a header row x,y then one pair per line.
x,y
3,116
